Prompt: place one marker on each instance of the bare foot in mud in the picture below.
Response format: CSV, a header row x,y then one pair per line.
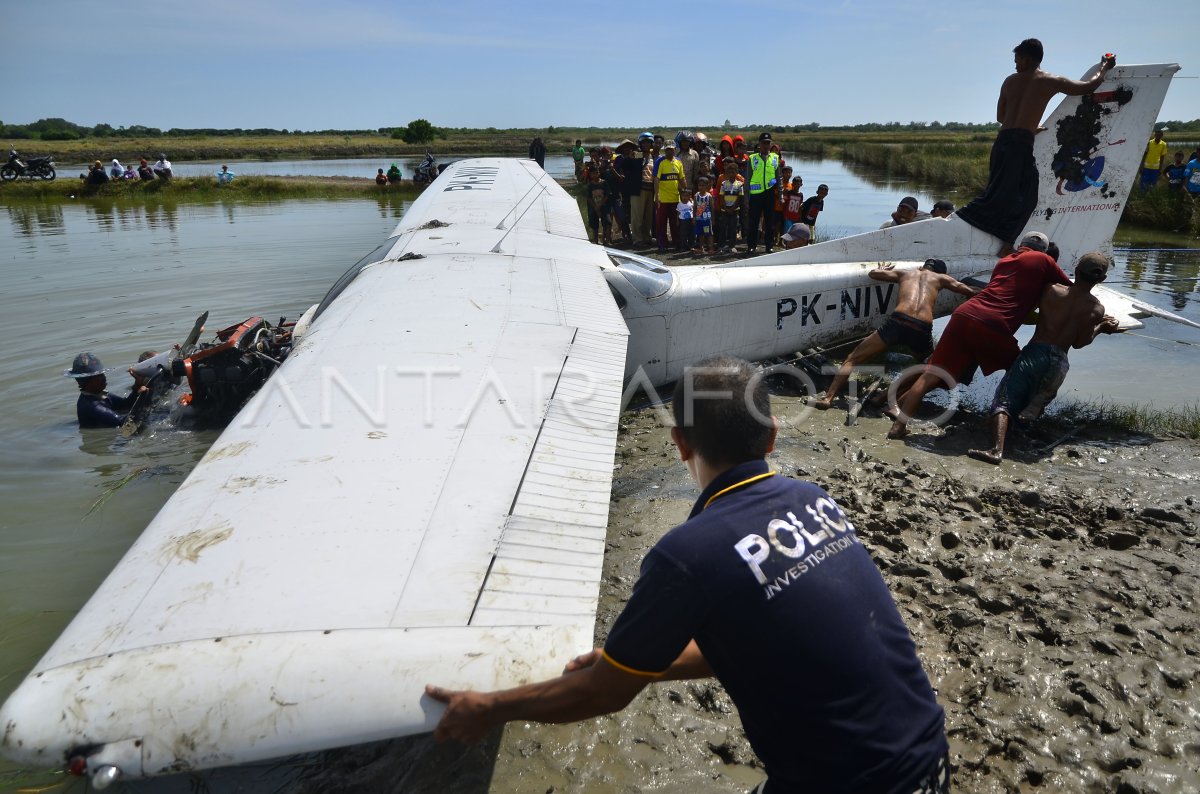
x,y
898,430
822,405
892,412
986,455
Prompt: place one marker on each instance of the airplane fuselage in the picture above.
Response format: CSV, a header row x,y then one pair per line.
x,y
753,312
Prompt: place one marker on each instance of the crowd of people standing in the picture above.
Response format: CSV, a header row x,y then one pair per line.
x,y
1182,171
684,194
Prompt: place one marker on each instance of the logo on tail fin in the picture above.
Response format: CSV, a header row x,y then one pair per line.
x,y
1078,163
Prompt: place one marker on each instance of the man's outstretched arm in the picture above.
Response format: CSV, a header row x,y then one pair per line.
x,y
1081,87
599,688
954,285
591,685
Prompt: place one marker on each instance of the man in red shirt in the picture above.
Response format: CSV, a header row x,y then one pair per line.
x,y
980,332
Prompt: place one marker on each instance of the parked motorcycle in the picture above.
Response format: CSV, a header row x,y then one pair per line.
x,y
427,170
42,167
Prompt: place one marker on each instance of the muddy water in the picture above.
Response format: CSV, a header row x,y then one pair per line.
x,y
119,279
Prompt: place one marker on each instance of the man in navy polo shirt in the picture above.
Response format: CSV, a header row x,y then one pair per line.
x,y
766,587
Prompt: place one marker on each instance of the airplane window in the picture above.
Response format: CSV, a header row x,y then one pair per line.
x,y
343,282
648,277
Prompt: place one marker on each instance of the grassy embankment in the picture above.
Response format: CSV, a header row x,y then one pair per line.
x,y
963,167
950,160
202,189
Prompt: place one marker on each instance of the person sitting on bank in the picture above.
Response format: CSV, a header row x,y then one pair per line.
x,y
910,324
162,168
96,407
767,573
129,175
1068,317
381,178
95,175
394,175
116,171
224,176
907,211
145,172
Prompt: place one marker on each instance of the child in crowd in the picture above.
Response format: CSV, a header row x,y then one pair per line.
x,y
598,213
687,228
704,167
812,207
1175,173
793,200
729,209
703,214
785,185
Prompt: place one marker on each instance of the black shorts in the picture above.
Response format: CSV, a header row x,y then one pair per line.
x,y
935,781
916,335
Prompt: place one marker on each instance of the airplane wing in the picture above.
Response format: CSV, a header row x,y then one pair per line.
x,y
418,495
1129,310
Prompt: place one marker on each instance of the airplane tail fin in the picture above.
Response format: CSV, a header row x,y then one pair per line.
x,y
1089,155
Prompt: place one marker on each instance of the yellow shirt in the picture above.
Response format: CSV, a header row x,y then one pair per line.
x,y
1154,154
670,175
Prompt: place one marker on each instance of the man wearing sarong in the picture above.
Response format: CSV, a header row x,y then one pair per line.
x,y
1012,189
1067,317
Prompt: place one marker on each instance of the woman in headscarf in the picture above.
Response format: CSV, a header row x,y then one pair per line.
x,y
117,171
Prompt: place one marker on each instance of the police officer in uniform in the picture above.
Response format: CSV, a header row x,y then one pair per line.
x,y
766,587
763,187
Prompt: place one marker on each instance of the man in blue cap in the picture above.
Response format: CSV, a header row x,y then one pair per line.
x,y
96,407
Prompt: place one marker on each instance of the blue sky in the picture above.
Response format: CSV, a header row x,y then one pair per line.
x,y
362,64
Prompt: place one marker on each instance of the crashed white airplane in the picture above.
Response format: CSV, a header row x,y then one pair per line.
x,y
420,493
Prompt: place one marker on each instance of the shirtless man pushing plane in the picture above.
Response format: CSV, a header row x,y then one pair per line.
x,y
1011,193
1068,317
910,324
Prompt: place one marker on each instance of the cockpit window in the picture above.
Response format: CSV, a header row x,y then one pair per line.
x,y
343,282
648,277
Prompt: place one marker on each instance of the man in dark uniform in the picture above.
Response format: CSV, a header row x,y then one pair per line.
x,y
96,407
767,587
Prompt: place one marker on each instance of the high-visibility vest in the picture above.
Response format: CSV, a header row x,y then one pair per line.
x,y
762,172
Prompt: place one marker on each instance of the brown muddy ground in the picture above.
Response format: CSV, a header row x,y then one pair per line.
x,y
1052,599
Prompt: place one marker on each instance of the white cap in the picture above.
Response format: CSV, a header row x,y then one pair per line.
x,y
1035,240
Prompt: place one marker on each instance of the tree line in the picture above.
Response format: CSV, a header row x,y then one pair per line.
x,y
422,131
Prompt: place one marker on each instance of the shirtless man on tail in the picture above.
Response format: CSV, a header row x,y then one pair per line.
x,y
1067,317
1011,193
911,324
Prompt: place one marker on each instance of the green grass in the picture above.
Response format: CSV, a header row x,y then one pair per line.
x,y
204,189
1182,421
951,166
1160,208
